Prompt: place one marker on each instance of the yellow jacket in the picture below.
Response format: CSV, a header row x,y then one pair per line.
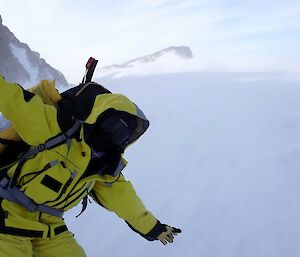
x,y
35,122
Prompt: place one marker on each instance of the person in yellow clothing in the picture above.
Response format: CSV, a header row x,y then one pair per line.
x,y
57,150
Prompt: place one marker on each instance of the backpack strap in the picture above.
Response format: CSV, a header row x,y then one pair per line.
x,y
49,144
55,141
8,188
14,194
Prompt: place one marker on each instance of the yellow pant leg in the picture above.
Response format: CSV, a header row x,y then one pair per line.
x,y
62,245
14,246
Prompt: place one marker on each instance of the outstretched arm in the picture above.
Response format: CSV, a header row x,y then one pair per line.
x,y
121,198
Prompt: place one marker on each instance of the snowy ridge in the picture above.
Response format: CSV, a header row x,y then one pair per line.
x,y
18,63
180,59
169,60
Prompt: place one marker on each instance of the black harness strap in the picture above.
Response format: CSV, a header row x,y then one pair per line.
x,y
60,229
21,232
30,233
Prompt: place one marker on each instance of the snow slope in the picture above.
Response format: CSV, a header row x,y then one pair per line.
x,y
220,161
21,54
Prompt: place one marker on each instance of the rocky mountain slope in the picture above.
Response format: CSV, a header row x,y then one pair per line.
x,y
20,64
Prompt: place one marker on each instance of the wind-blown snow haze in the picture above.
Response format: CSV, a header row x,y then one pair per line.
x,y
220,159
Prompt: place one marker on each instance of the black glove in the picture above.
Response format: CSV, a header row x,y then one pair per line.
x,y
162,232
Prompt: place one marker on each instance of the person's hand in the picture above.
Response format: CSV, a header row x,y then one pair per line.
x,y
167,234
162,232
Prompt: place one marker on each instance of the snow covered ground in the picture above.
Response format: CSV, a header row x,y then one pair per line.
x,y
220,161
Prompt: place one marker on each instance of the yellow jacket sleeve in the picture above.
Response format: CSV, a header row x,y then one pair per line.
x,y
121,198
34,121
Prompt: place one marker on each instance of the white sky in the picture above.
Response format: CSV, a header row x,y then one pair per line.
x,y
223,34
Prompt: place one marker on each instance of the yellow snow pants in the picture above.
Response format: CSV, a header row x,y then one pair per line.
x,y
63,245
32,234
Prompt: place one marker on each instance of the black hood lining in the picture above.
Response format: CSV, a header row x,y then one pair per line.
x,y
136,132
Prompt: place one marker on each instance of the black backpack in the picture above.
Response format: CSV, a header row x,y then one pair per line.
x,y
76,102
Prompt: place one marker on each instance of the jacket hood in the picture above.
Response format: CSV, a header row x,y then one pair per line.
x,y
116,103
